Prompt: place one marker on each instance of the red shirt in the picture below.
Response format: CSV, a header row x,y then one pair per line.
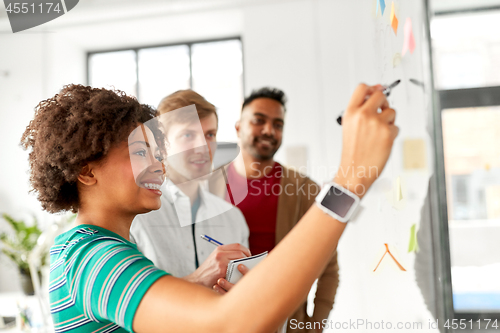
x,y
260,206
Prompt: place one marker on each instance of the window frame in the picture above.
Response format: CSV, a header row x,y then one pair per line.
x,y
450,99
469,98
189,44
465,10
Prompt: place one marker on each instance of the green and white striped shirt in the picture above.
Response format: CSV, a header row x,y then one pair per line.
x,y
97,280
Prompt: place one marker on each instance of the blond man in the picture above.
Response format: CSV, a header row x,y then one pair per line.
x,y
166,236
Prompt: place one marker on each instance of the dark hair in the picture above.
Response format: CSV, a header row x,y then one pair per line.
x,y
266,92
79,125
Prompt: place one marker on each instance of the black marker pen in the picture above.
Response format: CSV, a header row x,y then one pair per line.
x,y
386,92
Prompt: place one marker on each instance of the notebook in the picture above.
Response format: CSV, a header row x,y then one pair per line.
x,y
233,275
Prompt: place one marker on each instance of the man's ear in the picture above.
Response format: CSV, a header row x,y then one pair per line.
x,y
86,176
237,127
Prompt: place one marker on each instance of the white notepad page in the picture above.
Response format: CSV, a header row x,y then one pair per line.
x,y
233,275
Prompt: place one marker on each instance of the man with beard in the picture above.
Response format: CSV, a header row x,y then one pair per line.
x,y
170,236
277,196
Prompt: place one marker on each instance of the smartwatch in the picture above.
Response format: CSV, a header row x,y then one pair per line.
x,y
338,202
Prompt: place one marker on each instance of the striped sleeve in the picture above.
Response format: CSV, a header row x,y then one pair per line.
x,y
107,278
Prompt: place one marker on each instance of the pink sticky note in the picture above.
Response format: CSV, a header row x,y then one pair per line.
x,y
409,40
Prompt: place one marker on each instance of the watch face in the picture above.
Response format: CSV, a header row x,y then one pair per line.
x,y
337,201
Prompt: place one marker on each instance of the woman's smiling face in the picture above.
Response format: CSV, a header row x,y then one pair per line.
x,y
131,174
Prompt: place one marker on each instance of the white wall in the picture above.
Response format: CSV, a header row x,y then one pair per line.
x,y
20,90
41,61
316,51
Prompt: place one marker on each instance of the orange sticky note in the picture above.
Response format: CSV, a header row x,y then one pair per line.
x,y
394,19
409,40
388,251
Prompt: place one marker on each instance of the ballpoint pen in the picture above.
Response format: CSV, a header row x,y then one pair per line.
x,y
211,240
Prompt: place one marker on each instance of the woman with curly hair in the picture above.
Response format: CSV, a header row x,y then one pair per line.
x,y
86,147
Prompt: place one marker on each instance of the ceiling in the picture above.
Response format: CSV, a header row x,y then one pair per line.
x,y
175,6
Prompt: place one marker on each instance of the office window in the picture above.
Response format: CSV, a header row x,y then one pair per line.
x,y
162,71
114,69
466,49
217,75
466,52
460,189
214,69
472,165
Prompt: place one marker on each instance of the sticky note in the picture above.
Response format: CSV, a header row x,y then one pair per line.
x,y
396,60
398,191
394,25
414,154
296,157
394,194
381,5
409,39
394,20
413,244
387,251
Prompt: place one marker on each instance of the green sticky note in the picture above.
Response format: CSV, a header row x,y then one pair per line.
x,y
413,246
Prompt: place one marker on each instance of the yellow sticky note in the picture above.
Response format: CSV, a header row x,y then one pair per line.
x,y
396,60
399,192
413,244
414,154
395,194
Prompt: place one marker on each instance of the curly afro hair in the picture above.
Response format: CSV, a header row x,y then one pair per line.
x,y
79,125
